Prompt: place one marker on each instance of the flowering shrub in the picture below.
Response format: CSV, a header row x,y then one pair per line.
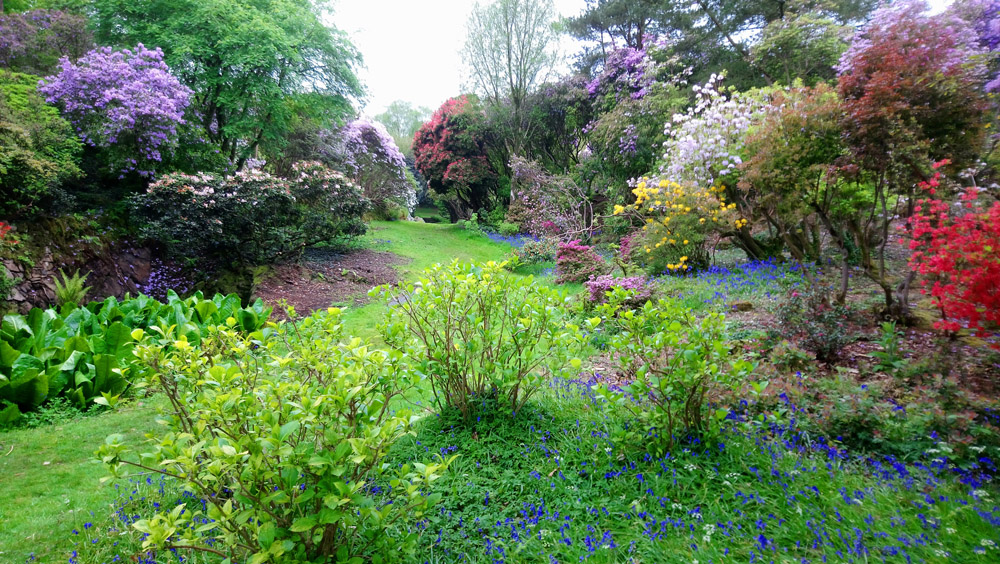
x,y
957,250
282,435
369,155
331,205
535,252
32,42
577,263
240,220
124,101
544,204
250,218
480,333
637,286
704,144
38,150
678,220
450,152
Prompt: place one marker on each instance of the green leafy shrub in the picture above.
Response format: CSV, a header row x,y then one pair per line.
x,y
480,332
85,353
71,289
38,149
809,319
676,363
535,252
331,205
283,436
508,229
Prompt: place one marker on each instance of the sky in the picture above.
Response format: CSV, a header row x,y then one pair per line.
x,y
412,48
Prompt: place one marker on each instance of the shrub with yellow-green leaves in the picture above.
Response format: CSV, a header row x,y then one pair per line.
x,y
678,221
281,437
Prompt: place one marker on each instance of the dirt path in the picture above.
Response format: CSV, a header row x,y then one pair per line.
x,y
325,277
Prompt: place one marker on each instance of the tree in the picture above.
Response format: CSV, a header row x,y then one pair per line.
x,y
912,92
451,153
401,119
38,149
509,51
33,42
246,61
125,102
801,46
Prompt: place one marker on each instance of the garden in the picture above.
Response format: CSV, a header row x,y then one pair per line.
x,y
725,290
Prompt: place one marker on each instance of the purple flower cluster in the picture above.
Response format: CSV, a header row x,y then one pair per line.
x,y
369,155
626,74
126,100
33,41
599,286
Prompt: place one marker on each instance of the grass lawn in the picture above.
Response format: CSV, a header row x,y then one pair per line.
x,y
51,481
50,478
423,245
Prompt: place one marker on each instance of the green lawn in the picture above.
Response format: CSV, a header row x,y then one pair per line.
x,y
51,481
50,477
423,245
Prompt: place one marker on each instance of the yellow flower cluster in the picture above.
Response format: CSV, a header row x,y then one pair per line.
x,y
666,204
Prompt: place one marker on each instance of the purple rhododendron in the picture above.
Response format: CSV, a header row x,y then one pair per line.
x,y
369,155
127,100
32,42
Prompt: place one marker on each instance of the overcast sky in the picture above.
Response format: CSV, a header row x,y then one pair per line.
x,y
412,48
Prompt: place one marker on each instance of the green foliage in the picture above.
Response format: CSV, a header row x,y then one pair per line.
x,y
508,229
890,359
809,319
7,283
295,426
85,353
480,332
38,149
250,218
245,60
676,362
536,252
71,289
804,46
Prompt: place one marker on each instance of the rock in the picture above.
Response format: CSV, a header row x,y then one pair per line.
x,y
741,306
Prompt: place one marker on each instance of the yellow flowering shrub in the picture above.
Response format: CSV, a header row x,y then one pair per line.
x,y
678,220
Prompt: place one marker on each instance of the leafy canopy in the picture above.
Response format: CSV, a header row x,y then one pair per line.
x,y
246,60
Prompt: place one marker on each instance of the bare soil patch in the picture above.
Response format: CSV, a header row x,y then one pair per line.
x,y
325,277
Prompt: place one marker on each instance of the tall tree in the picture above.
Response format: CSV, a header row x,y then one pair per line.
x,y
246,60
401,119
510,50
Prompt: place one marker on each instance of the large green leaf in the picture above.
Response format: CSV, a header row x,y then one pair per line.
x,y
9,415
15,331
205,311
115,340
28,390
8,355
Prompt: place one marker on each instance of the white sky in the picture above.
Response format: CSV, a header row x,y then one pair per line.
x,y
412,48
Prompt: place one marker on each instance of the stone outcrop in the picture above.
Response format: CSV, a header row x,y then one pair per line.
x,y
118,272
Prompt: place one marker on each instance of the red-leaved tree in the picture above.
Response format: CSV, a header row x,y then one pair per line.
x,y
956,247
451,152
